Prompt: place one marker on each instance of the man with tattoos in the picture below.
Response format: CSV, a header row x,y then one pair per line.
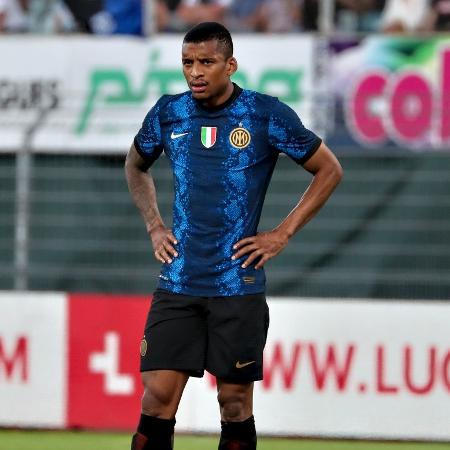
x,y
209,310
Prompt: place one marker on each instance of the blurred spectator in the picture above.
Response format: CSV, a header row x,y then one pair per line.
x,y
83,11
181,15
238,15
404,16
348,15
359,15
272,16
35,16
438,17
167,17
13,16
244,16
280,16
50,16
108,16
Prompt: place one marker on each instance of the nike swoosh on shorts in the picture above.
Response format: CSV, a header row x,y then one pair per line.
x,y
240,365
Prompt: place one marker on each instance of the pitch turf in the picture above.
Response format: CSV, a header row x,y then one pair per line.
x,y
60,440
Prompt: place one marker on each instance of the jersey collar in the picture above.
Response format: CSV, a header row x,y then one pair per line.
x,y
236,92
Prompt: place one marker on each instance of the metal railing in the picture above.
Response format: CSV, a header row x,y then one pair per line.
x,y
383,234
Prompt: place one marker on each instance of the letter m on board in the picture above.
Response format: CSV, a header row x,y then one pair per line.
x,y
14,362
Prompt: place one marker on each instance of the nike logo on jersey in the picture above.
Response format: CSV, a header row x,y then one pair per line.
x,y
240,365
176,136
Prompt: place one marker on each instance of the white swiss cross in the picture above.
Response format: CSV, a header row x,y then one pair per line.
x,y
107,363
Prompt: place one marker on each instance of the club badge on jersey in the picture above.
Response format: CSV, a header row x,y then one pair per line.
x,y
240,138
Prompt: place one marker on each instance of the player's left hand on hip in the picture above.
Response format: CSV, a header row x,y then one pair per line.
x,y
264,246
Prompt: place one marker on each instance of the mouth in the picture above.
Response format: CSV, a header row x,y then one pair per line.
x,y
198,86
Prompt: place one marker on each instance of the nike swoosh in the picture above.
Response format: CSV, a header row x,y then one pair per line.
x,y
175,136
240,365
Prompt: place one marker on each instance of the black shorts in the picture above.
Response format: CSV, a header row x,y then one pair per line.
x,y
224,335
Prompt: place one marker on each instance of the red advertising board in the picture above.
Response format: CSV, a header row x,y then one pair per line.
x,y
104,387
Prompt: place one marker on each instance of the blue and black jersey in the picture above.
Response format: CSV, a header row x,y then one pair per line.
x,y
222,161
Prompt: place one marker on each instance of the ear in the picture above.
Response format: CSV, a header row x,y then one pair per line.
x,y
232,66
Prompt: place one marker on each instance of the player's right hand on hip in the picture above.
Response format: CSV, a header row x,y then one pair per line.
x,y
164,243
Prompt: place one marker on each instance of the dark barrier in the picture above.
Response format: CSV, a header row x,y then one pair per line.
x,y
7,219
384,234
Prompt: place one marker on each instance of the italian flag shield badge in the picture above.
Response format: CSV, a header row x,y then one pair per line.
x,y
209,135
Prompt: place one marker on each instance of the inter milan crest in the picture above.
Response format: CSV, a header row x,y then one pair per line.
x,y
240,138
209,136
144,346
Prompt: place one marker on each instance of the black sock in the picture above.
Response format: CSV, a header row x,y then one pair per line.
x,y
154,433
238,435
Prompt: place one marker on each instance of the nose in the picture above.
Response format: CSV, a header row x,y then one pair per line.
x,y
196,70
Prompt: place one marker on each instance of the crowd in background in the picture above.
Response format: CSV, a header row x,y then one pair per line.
x,y
67,16
269,16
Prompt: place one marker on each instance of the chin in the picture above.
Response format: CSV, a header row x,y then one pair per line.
x,y
200,95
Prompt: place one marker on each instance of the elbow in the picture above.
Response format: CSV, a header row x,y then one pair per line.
x,y
127,166
335,173
338,173
127,163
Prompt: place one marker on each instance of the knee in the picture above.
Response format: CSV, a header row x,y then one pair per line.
x,y
235,406
162,392
156,400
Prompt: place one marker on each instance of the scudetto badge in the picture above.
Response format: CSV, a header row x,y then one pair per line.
x,y
143,347
208,136
240,138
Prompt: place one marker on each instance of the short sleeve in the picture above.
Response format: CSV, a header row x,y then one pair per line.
x,y
148,141
288,135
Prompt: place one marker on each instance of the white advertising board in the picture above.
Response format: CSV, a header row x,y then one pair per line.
x,y
333,368
32,359
84,94
346,368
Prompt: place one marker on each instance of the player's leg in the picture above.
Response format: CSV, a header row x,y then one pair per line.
x,y
162,394
173,348
236,412
237,332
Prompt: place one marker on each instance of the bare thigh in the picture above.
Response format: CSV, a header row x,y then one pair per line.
x,y
162,392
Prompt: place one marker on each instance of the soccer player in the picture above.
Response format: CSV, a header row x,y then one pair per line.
x,y
209,310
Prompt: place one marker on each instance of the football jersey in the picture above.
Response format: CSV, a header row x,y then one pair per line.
x,y
222,161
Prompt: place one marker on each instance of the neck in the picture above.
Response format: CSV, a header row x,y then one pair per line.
x,y
221,98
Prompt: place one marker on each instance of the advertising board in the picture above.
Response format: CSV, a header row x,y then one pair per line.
x,y
333,368
391,92
80,94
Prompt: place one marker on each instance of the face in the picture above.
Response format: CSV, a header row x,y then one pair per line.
x,y
208,71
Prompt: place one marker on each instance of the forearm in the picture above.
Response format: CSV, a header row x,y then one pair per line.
x,y
143,192
318,192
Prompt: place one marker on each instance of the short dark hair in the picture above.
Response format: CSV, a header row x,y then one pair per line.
x,y
208,31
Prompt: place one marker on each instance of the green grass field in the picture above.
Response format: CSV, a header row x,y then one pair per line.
x,y
61,440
